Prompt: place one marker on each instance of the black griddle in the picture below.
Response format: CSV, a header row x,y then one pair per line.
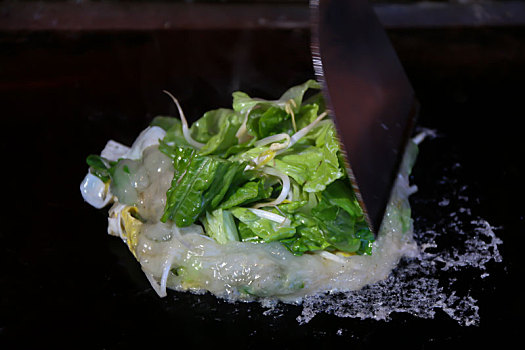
x,y
66,283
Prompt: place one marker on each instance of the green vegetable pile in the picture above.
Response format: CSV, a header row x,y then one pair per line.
x,y
262,171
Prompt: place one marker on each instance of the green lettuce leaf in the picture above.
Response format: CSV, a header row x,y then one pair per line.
x,y
246,234
250,192
216,129
100,167
339,193
337,226
181,157
272,121
309,237
268,117
219,225
242,102
267,230
313,162
307,114
296,93
200,183
335,223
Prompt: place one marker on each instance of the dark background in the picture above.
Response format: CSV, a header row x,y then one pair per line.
x,y
64,93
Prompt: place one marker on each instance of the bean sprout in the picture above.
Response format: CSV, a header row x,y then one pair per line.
x,y
185,129
284,192
270,216
273,140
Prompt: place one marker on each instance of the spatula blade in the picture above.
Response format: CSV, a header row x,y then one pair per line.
x,y
368,94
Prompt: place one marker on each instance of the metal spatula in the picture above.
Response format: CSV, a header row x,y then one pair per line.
x,y
368,95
